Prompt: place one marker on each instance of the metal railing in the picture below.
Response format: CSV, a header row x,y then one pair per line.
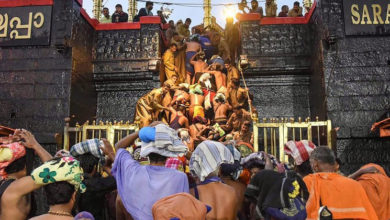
x,y
112,131
273,133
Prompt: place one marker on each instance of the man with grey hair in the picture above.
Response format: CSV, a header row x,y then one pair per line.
x,y
332,194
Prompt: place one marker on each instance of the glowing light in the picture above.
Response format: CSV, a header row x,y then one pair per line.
x,y
230,11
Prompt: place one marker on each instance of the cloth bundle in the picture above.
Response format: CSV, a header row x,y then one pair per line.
x,y
181,206
8,154
166,142
89,146
207,157
299,150
60,169
278,195
174,163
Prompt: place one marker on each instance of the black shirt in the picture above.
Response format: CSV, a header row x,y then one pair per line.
x,y
93,200
119,17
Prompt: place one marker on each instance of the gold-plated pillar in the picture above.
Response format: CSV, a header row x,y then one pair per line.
x,y
207,13
132,10
97,8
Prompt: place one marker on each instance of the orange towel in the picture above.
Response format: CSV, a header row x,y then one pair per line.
x,y
344,197
377,187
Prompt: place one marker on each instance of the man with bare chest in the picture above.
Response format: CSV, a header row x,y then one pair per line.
x,y
199,65
193,47
198,124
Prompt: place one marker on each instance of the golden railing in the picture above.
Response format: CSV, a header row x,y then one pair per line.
x,y
112,131
275,132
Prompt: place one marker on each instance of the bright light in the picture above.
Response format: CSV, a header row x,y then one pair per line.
x,y
230,11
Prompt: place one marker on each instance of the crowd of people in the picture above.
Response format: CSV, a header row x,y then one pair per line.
x,y
270,11
152,174
271,8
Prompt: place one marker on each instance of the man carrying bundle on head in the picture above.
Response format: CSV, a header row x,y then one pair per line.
x,y
13,166
91,157
139,187
61,179
205,164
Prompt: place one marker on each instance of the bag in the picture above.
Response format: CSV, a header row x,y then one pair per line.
x,y
324,213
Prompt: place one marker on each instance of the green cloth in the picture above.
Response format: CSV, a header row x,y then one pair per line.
x,y
105,20
60,169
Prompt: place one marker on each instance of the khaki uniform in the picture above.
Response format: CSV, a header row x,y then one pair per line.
x,y
148,105
270,10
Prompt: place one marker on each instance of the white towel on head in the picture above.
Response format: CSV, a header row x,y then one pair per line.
x,y
207,157
167,143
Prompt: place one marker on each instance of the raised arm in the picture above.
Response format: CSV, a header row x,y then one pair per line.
x,y
126,141
30,142
12,198
192,61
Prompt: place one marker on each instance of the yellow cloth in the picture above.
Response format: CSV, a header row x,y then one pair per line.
x,y
344,197
232,74
148,104
198,111
183,31
60,169
105,20
169,64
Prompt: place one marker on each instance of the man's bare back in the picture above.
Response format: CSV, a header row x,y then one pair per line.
x,y
221,111
195,129
200,66
193,46
240,190
196,99
220,79
221,197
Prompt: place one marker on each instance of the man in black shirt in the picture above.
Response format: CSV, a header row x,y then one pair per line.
x,y
119,15
147,11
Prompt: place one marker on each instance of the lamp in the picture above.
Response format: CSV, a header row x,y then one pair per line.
x,y
243,62
230,11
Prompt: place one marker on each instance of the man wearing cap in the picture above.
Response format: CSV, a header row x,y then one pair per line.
x,y
139,187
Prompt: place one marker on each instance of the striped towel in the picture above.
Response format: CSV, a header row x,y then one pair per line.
x,y
89,146
299,150
167,143
207,157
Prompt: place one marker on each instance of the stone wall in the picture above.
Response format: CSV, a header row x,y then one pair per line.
x,y
279,72
35,80
356,86
121,69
